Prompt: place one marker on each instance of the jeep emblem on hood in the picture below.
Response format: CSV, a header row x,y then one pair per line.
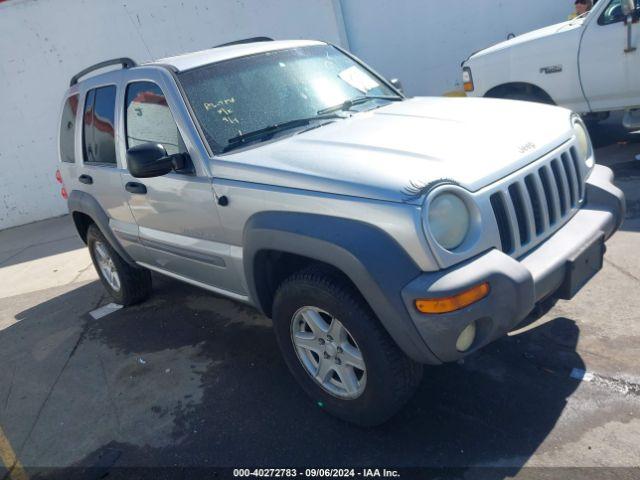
x,y
526,147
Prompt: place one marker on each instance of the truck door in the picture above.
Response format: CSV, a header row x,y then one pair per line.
x,y
176,213
609,70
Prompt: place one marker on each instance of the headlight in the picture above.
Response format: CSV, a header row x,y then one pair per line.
x,y
449,220
585,150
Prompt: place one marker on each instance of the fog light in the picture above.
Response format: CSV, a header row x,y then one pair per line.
x,y
466,338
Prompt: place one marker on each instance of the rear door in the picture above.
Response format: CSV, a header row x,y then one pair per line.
x,y
176,213
610,73
99,171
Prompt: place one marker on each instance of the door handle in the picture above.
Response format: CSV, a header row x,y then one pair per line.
x,y
86,179
135,187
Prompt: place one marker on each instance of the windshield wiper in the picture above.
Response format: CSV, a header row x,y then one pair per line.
x,y
240,140
357,101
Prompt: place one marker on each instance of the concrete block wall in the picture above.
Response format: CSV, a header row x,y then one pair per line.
x,y
423,42
44,42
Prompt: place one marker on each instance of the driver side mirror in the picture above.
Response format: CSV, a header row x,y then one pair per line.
x,y
151,160
397,84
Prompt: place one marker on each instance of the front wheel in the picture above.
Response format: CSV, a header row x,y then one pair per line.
x,y
339,352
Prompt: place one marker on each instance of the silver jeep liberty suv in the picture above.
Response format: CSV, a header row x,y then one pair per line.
x,y
380,233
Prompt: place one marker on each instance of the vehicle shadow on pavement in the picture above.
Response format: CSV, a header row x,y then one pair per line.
x,y
628,180
611,132
191,379
617,150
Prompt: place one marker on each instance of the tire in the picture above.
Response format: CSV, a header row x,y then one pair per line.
x,y
133,285
389,378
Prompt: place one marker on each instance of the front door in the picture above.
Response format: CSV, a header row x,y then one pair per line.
x,y
176,214
609,71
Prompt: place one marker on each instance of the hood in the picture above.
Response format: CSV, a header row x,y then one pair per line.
x,y
532,36
382,153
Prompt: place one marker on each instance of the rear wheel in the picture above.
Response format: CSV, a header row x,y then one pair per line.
x,y
337,350
126,284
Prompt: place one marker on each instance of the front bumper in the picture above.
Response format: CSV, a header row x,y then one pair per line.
x,y
516,284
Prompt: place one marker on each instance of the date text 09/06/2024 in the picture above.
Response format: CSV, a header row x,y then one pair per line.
x,y
316,473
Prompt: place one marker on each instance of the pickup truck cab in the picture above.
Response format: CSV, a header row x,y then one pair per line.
x,y
379,233
590,64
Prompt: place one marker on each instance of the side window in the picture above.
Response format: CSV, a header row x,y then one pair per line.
x,y
87,126
98,126
68,129
613,13
148,118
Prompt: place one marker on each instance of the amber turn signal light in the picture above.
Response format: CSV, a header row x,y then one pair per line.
x,y
455,302
467,80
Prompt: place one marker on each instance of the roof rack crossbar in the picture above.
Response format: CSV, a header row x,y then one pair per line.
x,y
124,61
245,40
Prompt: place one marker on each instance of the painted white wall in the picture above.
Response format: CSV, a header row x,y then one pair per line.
x,y
423,42
44,42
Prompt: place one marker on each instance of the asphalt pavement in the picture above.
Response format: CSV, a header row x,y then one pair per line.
x,y
192,379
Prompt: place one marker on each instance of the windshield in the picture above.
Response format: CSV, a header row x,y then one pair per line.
x,y
248,94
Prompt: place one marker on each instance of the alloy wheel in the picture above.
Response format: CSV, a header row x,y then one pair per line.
x,y
106,265
329,353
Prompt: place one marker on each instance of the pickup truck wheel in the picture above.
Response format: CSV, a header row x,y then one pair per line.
x,y
339,352
127,285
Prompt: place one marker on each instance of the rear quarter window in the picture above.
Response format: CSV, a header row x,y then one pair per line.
x,y
98,126
68,130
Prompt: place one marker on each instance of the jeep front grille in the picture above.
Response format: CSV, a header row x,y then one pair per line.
x,y
530,207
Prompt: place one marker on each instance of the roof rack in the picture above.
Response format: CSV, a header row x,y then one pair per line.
x,y
125,62
245,40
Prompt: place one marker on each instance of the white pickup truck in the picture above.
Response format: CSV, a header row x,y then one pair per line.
x,y
590,64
